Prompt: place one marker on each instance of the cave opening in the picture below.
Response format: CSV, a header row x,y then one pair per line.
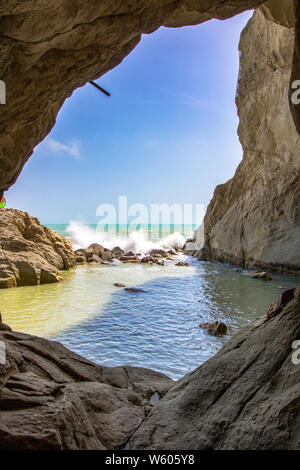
x,y
171,122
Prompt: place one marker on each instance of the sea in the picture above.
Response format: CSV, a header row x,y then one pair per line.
x,y
156,329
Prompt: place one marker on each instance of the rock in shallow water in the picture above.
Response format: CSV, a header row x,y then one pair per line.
x,y
215,328
262,275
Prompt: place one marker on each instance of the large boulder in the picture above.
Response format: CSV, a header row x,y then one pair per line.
x,y
30,253
53,399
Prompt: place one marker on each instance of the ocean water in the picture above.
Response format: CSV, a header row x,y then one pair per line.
x,y
159,328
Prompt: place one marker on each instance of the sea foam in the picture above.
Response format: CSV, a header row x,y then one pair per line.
x,y
82,236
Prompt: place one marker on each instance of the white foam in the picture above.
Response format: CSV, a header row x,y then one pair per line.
x,y
83,236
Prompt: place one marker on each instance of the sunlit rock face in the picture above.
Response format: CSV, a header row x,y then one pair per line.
x,y
48,49
254,219
31,254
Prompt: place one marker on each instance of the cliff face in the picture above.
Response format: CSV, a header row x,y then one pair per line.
x,y
30,254
254,219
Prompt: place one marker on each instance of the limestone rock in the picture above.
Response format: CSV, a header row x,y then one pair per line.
x,y
53,399
245,397
254,219
31,254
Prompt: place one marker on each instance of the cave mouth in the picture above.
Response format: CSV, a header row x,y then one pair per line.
x,y
169,101
252,221
73,159
81,47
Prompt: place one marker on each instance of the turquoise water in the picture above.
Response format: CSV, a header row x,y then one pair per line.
x,y
124,230
157,329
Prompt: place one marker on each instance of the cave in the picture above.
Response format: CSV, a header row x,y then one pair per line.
x,y
247,395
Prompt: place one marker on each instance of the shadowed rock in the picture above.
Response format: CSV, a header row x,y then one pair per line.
x,y
51,398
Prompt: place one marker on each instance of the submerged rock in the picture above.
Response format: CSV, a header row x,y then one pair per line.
x,y
118,284
134,289
215,328
262,275
31,253
182,263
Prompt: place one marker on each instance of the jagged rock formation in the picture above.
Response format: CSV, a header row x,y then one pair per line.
x,y
245,397
254,219
31,254
48,49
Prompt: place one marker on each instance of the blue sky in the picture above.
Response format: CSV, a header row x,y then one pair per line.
x,y
168,134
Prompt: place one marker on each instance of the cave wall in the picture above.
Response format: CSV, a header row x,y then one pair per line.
x,y
254,219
